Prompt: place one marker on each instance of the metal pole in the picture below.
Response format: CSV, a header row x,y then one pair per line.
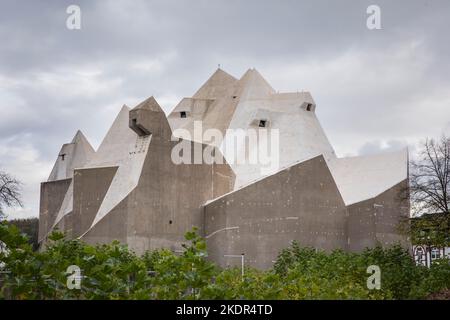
x,y
242,266
242,256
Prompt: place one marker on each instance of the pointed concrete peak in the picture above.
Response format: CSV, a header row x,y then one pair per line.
x,y
120,120
123,113
215,85
253,75
72,155
79,136
81,139
254,84
221,74
117,130
149,104
124,108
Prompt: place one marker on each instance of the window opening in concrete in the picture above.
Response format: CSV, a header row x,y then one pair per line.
x,y
183,114
262,123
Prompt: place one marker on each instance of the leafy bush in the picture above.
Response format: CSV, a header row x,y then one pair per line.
x,y
30,227
113,271
255,285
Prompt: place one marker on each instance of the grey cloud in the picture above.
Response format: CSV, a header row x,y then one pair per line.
x,y
372,87
374,147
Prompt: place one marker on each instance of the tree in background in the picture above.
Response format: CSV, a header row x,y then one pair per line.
x,y
430,194
30,227
430,178
10,196
10,192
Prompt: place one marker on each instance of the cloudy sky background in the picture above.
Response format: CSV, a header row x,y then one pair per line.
x,y
375,89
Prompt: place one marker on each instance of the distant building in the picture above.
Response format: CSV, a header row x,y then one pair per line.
x,y
425,255
131,190
428,231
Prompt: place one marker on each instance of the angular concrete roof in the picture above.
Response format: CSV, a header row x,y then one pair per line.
x,y
252,85
149,104
216,86
224,102
243,103
365,177
72,155
109,152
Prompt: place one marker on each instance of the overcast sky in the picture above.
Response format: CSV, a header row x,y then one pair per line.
x,y
375,89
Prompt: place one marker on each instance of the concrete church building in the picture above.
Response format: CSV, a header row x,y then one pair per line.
x,y
131,190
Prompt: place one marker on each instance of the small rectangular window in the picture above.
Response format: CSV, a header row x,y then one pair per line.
x,y
262,123
435,254
308,107
183,114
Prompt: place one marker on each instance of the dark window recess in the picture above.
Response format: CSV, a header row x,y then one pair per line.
x,y
262,123
170,221
234,97
62,156
183,114
308,107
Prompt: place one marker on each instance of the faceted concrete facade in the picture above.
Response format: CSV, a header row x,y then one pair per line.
x,y
131,190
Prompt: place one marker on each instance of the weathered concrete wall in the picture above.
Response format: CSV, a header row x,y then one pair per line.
x,y
167,201
66,225
90,187
375,221
390,208
299,203
361,226
52,196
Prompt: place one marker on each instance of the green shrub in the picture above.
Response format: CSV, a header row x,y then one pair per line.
x,y
112,271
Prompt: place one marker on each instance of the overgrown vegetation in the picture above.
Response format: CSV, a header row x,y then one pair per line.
x,y
29,226
114,272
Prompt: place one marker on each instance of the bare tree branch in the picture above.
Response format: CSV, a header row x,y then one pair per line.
x,y
10,191
430,178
